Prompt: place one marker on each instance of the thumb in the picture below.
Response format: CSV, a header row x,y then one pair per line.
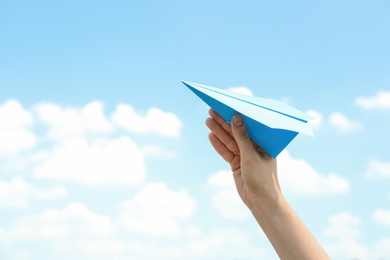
x,y
241,135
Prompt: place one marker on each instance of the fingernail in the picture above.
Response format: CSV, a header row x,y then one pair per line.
x,y
237,120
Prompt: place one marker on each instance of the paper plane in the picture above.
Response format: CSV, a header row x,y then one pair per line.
x,y
270,123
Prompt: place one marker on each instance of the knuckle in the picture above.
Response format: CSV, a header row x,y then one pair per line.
x,y
243,134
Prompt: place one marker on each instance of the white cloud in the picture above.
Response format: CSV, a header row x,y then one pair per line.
x,y
17,193
21,255
381,216
192,231
73,221
13,115
155,150
217,244
94,118
316,122
344,225
155,121
51,193
226,200
344,229
285,100
2,237
70,122
143,250
242,90
344,232
342,123
347,249
155,210
24,162
381,100
381,248
297,176
118,162
377,169
103,246
82,148
14,133
226,244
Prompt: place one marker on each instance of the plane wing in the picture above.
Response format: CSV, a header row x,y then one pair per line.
x,y
271,124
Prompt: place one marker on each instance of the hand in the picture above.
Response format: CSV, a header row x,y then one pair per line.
x,y
257,184
253,169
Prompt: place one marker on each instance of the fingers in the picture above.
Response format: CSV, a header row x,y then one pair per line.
x,y
240,134
221,149
220,121
223,136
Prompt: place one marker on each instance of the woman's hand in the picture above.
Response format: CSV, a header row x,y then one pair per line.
x,y
257,184
254,171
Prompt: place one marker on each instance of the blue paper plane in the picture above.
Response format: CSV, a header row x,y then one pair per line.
x,y
271,124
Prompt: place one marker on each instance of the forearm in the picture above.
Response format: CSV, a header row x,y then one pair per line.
x,y
287,233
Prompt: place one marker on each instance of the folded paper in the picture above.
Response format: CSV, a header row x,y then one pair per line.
x,y
271,124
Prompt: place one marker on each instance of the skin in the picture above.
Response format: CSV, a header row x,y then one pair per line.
x,y
256,179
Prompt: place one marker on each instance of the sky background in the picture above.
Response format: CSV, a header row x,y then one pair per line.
x,y
104,153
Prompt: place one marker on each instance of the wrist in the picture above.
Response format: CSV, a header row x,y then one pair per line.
x,y
267,203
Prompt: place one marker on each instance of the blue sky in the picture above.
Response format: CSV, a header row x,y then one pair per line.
x,y
104,153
